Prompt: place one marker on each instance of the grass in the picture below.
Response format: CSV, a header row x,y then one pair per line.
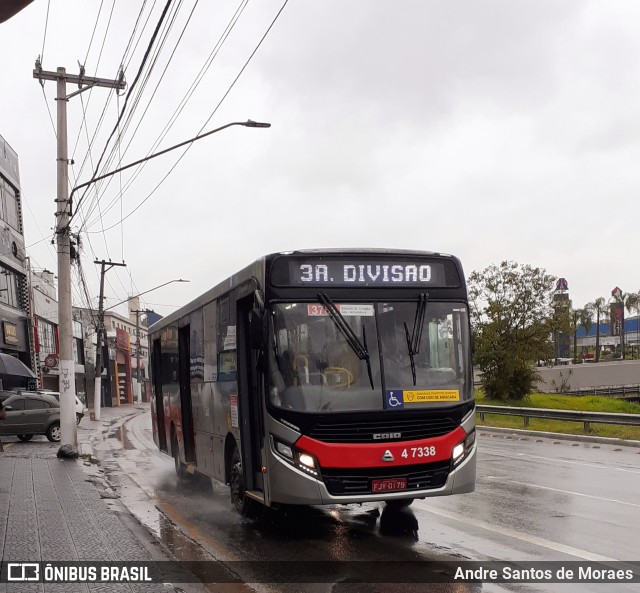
x,y
559,401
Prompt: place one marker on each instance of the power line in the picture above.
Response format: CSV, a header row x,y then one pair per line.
x,y
129,92
108,100
116,148
163,38
95,26
183,102
46,24
206,122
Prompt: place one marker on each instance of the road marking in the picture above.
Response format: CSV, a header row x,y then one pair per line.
x,y
531,539
631,504
568,461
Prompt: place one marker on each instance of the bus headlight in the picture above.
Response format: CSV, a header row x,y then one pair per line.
x,y
297,458
458,451
307,460
462,449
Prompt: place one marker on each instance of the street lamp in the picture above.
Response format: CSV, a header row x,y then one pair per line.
x,y
97,393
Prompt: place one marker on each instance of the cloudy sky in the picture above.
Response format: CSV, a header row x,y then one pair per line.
x,y
494,129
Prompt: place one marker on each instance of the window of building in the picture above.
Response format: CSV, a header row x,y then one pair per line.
x,y
10,206
46,336
9,288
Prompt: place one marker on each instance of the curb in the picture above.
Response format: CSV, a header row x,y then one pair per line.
x,y
561,436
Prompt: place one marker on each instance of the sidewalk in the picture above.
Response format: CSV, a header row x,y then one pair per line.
x,y
64,510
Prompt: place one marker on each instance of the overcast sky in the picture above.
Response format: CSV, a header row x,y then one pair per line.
x,y
488,129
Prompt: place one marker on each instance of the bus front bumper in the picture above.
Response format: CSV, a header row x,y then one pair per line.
x,y
289,485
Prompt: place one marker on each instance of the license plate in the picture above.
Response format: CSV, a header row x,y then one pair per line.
x,y
388,484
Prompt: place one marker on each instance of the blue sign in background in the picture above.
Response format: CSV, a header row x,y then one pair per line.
x,y
393,399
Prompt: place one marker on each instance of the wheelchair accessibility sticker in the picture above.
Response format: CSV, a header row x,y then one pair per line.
x,y
393,399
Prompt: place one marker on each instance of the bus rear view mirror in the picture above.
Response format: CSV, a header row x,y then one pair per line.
x,y
255,329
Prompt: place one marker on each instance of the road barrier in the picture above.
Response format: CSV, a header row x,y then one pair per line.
x,y
620,392
587,418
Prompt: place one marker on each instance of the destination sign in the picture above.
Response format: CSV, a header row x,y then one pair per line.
x,y
348,272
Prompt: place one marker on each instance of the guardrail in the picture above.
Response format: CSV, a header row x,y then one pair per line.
x,y
587,418
626,391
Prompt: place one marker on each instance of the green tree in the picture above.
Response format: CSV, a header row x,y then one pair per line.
x,y
512,318
632,301
600,309
585,319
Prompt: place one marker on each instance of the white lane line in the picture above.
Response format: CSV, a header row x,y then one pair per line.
x,y
630,504
567,461
531,539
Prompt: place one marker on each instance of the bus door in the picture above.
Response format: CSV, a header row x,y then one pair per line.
x,y
184,367
157,385
249,396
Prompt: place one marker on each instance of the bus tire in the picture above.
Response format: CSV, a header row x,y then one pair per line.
x,y
398,503
246,506
181,471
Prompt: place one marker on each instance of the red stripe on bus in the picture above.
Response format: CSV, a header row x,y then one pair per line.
x,y
370,454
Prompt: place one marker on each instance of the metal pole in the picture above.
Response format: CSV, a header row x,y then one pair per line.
x,y
139,382
97,390
69,435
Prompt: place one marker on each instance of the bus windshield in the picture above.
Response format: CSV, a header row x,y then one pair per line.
x,y
418,353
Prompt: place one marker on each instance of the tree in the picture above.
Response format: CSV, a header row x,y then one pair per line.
x,y
632,301
599,307
511,312
585,319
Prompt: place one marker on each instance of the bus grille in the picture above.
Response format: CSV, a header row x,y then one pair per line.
x,y
412,428
346,481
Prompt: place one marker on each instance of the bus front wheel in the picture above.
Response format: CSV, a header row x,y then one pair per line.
x,y
243,504
398,503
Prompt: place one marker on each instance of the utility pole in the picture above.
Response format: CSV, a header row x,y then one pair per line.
x,y
100,341
139,383
63,213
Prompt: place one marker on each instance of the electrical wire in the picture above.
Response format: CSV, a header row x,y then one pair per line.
x,y
183,102
163,37
203,126
44,38
95,26
129,93
110,95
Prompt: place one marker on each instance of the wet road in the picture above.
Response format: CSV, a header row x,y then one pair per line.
x,y
536,500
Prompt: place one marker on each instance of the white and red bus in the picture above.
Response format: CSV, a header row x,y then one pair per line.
x,y
322,377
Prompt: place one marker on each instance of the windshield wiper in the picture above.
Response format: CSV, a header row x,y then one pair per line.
x,y
414,339
349,335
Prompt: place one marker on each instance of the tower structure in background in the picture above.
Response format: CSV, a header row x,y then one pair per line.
x,y
561,302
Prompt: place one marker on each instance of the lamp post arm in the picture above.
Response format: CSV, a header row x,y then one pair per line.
x,y
249,124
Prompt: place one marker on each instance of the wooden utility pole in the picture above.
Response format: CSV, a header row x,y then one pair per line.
x,y
100,338
69,435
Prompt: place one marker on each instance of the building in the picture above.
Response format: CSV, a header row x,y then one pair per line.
x,y
46,344
128,364
16,330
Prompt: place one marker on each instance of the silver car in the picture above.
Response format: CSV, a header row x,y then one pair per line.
x,y
31,414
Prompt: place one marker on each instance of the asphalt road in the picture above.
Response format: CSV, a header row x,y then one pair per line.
x,y
536,500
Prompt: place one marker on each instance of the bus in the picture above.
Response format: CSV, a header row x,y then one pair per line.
x,y
322,377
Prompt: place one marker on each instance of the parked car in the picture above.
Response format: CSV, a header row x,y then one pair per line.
x,y
31,413
6,394
80,409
